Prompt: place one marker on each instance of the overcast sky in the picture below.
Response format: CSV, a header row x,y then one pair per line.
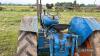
x,y
49,1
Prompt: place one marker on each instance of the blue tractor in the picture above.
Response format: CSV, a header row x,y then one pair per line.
x,y
74,39
78,38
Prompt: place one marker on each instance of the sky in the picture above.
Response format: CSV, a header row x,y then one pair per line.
x,y
49,1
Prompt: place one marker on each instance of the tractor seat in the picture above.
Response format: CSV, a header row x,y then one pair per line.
x,y
60,27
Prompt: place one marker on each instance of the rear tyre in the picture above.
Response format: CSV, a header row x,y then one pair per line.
x,y
27,44
96,42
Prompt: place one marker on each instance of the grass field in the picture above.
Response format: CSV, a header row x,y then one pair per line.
x,y
9,26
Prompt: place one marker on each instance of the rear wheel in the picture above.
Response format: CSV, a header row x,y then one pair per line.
x,y
91,47
27,44
96,42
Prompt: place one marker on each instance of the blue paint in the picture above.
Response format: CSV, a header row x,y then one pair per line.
x,y
60,47
48,21
83,27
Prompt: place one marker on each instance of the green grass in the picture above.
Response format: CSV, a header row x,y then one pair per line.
x,y
9,26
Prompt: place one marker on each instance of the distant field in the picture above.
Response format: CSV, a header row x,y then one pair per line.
x,y
9,26
66,16
18,8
